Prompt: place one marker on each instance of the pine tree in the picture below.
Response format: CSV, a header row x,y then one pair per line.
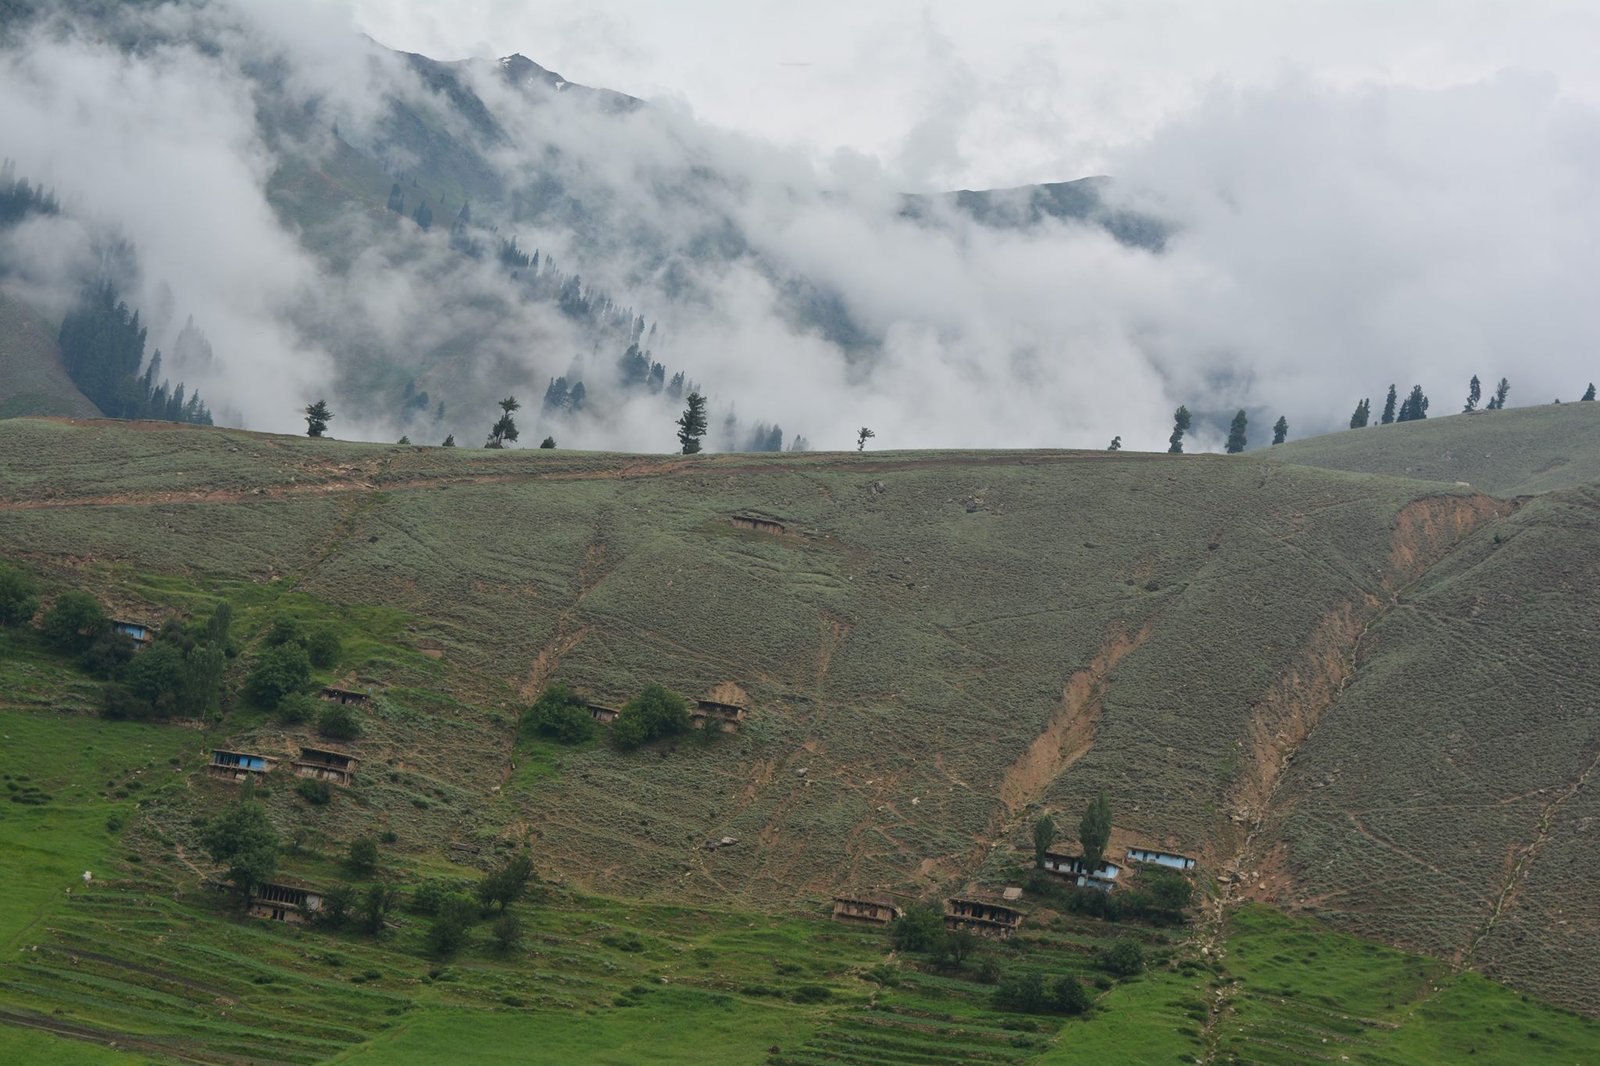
x,y
1180,425
1280,430
449,442
1115,445
1500,392
504,431
1236,438
1589,393
1415,406
692,424
862,436
548,443
1363,412
397,199
1044,834
1094,832
1474,394
317,418
1388,407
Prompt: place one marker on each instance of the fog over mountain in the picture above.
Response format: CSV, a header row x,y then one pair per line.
x,y
1305,244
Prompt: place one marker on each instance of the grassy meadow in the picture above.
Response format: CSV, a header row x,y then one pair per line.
x,y
934,650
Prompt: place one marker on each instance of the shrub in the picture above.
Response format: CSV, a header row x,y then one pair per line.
x,y
812,994
19,597
451,927
324,647
1023,993
339,721
508,882
884,975
988,970
376,904
1124,958
337,904
429,896
285,631
74,621
654,713
296,709
920,928
560,715
317,793
363,856
1070,998
507,930
279,671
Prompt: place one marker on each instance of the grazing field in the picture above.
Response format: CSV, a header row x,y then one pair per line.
x,y
1516,452
1354,695
32,380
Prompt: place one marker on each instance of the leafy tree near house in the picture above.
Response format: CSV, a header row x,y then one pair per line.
x,y
655,713
560,714
1236,432
1044,834
74,621
1388,406
1474,394
1588,393
1094,831
279,671
1362,415
339,721
1280,430
1180,425
692,424
243,840
920,928
376,903
504,431
317,418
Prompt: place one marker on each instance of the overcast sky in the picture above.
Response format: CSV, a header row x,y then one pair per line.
x,y
957,93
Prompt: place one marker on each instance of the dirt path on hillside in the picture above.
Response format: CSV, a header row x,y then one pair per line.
x,y
1525,860
1424,534
1069,734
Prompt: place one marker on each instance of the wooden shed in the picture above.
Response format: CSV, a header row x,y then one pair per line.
x,y
981,916
729,717
334,694
284,903
870,911
324,765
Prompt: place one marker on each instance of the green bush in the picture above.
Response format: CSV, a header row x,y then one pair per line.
x,y
812,994
654,713
297,708
339,721
507,931
19,597
337,904
429,896
560,714
315,792
324,647
281,670
920,928
285,631
1124,958
451,927
362,858
74,621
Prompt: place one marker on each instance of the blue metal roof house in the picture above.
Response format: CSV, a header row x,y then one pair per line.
x,y
239,765
137,632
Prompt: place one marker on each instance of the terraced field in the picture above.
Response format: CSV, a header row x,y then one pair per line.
x,y
1299,674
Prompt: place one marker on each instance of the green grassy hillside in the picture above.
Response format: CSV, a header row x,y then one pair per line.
x,y
1516,452
1336,689
32,381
